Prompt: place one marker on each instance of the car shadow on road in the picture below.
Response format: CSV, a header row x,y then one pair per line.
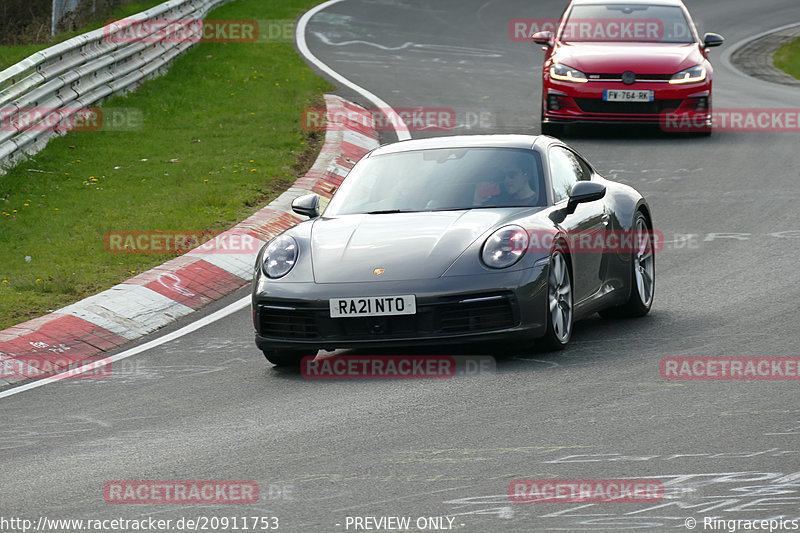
x,y
595,341
624,132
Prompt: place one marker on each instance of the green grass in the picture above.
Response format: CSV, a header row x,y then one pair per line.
x,y
229,114
787,58
10,55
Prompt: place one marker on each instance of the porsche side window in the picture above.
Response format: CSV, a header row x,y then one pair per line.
x,y
565,171
585,171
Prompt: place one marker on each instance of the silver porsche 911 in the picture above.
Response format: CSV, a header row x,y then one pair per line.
x,y
498,239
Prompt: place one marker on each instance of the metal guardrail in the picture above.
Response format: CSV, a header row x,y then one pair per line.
x,y
82,71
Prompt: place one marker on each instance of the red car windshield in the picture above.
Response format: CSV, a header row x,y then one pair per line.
x,y
626,23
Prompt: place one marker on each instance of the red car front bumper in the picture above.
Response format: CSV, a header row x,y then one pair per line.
x,y
565,102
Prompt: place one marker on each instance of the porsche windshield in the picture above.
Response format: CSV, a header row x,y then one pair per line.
x,y
626,23
441,179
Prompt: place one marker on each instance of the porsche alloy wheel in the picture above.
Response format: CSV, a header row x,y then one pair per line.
x,y
644,268
559,303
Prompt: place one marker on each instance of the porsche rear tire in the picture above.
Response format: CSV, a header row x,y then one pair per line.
x,y
643,273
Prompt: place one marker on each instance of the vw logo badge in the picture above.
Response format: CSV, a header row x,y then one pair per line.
x,y
629,78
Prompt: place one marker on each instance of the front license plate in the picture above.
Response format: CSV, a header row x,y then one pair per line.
x,y
373,306
616,95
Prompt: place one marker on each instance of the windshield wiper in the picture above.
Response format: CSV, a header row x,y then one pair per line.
x,y
389,211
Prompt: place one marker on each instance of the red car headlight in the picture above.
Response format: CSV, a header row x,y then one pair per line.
x,y
564,73
691,75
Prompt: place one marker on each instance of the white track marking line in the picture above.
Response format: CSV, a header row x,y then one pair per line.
x,y
394,119
194,326
726,55
402,134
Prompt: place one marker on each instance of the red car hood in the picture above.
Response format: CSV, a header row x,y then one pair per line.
x,y
640,58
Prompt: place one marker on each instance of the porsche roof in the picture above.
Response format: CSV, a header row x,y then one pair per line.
x,y
460,141
633,2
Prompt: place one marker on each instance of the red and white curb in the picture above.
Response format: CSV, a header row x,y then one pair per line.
x,y
182,285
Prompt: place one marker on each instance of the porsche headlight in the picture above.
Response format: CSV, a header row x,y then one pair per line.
x,y
504,247
565,73
280,256
691,75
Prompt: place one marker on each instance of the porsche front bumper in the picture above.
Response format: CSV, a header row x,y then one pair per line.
x,y
493,307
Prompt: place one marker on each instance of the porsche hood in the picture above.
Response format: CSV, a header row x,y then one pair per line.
x,y
398,246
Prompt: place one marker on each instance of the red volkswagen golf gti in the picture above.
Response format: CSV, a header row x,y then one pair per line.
x,y
626,61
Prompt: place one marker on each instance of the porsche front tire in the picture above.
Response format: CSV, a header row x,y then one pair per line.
x,y
285,358
559,303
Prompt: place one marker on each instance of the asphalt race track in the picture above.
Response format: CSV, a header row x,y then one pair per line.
x,y
207,406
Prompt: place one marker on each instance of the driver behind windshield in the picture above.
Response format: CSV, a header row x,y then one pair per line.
x,y
516,189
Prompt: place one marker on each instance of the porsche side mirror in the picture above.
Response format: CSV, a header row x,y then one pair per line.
x,y
711,40
543,37
306,205
583,192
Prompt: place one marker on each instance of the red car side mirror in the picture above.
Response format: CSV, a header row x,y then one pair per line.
x,y
543,37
